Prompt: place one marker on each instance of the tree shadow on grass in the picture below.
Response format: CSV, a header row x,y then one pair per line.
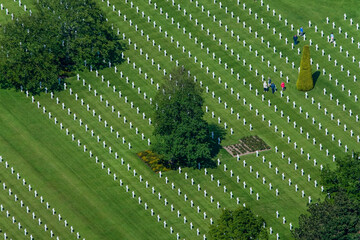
x,y
215,133
315,77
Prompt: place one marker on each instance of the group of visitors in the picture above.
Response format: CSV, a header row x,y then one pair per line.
x,y
270,84
301,33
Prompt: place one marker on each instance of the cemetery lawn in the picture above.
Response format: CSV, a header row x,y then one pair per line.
x,y
99,208
72,184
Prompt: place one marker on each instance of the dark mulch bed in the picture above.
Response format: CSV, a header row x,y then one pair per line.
x,y
247,145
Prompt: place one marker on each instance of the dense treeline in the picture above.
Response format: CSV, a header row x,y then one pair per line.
x,y
60,37
338,216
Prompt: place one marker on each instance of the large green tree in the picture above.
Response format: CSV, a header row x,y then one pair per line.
x,y
346,177
58,38
182,135
240,224
337,218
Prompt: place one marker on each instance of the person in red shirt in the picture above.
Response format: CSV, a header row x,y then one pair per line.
x,y
283,86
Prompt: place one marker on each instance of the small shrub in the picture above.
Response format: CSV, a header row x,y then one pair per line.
x,y
305,81
154,161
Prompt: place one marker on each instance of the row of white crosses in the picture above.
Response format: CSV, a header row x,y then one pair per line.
x,y
348,93
282,176
113,110
244,44
289,139
225,125
27,185
354,76
213,73
186,196
351,22
337,102
112,129
322,35
251,191
135,174
323,50
343,107
336,81
314,142
225,84
268,43
4,210
336,63
346,35
225,104
332,117
7,12
129,42
301,128
24,7
244,163
277,173
330,74
109,171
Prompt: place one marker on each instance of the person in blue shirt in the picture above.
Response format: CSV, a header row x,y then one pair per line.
x,y
273,88
331,37
301,31
295,39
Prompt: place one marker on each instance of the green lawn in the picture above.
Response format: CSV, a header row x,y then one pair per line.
x,y
98,208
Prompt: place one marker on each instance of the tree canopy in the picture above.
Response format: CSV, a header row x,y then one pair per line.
x,y
240,224
346,177
58,38
182,135
338,216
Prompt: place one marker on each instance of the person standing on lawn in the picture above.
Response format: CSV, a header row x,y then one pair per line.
x,y
283,86
295,39
273,87
331,37
265,87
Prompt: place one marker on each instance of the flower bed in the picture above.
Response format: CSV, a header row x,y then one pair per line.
x,y
153,160
247,145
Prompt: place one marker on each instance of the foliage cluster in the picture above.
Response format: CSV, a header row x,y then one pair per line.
x,y
182,135
58,38
239,224
345,178
153,160
305,80
338,216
